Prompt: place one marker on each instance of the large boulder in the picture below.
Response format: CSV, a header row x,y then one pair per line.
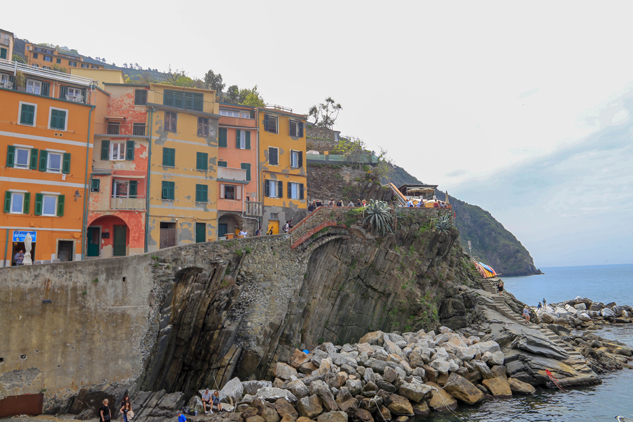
x,y
287,410
498,386
441,401
607,313
284,371
251,387
400,405
375,337
538,344
334,416
298,388
363,415
273,394
414,391
488,346
233,391
496,358
310,407
462,389
298,358
483,369
421,409
520,387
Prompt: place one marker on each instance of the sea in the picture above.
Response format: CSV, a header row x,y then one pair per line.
x,y
602,283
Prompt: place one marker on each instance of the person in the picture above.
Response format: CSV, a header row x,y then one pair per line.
x,y
243,233
319,203
339,203
270,232
287,227
206,400
420,203
351,204
310,207
539,306
364,203
358,203
290,225
216,400
331,203
435,204
181,417
442,204
104,412
500,287
19,257
526,314
409,203
126,407
258,232
544,303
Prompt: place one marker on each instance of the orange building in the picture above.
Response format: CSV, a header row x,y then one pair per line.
x,y
238,206
118,183
48,57
46,138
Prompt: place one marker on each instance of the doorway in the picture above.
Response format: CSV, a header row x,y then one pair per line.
x,y
120,241
19,246
222,229
94,234
65,250
274,226
167,235
201,232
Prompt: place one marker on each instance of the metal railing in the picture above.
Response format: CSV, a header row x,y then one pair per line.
x,y
127,203
15,67
121,129
253,209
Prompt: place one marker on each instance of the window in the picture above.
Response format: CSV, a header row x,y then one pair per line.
x,y
71,63
202,193
223,137
140,97
222,164
94,67
35,55
203,127
114,128
168,189
169,157
170,121
54,162
48,59
27,114
295,190
117,151
296,159
58,119
273,156
232,192
22,158
59,61
181,99
271,123
33,87
17,202
120,188
138,129
85,66
242,139
273,188
95,185
296,129
235,113
202,161
49,204
247,167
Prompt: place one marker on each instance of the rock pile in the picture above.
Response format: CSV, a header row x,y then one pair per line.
x,y
584,313
386,376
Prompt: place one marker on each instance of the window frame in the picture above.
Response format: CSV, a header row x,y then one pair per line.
x,y
234,187
173,164
13,194
273,186
276,119
174,121
122,182
50,195
95,185
50,117
297,187
50,59
205,127
172,186
206,194
72,63
277,163
28,157
199,160
20,113
294,153
136,97
48,161
124,147
35,82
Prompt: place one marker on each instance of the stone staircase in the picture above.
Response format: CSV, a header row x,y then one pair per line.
x,y
575,359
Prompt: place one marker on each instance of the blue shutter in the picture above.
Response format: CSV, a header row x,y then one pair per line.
x,y
280,189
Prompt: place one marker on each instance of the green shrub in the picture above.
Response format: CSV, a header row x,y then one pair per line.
x,y
378,216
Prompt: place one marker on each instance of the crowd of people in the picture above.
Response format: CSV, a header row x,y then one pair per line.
x,y
431,203
313,205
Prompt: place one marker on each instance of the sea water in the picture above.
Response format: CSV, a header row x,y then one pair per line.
x,y
602,283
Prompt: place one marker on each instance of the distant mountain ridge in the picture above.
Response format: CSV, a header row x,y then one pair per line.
x,y
491,242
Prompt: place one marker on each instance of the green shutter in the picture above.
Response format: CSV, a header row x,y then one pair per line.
x,y
280,189
222,164
10,155
27,203
201,230
247,167
46,87
33,163
129,150
66,163
105,150
27,115
133,188
202,161
63,91
301,191
223,136
7,201
237,138
95,185
58,119
202,193
53,123
169,157
3,53
43,160
248,139
39,197
60,206
168,190
289,187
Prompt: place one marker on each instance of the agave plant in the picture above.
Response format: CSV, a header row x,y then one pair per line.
x,y
378,216
444,224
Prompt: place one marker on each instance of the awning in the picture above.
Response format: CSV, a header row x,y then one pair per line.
x,y
116,118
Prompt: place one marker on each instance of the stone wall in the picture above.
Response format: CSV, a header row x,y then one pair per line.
x,y
320,138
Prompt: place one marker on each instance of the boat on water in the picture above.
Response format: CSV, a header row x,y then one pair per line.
x,y
623,419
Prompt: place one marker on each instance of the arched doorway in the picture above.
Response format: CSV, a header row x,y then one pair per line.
x,y
228,223
107,236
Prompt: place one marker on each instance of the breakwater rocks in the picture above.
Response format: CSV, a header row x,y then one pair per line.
x,y
584,313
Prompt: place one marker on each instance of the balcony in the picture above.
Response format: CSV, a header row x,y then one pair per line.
x,y
135,204
4,40
15,67
232,174
237,121
253,209
187,100
121,129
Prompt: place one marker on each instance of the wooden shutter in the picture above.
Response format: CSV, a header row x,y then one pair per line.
x,y
39,198
60,205
54,120
289,187
27,115
129,150
267,188
63,91
248,139
66,163
273,158
33,163
247,167
10,155
43,160
238,192
301,191
280,189
46,86
7,201
133,188
237,139
223,136
105,150
83,94
300,129
27,203
172,190
266,122
300,158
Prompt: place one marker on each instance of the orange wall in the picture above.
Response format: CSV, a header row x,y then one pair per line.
x,y
234,158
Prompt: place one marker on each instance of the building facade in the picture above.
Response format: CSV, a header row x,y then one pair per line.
x,y
46,133
118,182
48,57
283,176
6,44
183,191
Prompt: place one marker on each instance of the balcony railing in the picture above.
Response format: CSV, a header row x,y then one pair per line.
x,y
15,67
121,129
4,41
228,173
127,204
253,209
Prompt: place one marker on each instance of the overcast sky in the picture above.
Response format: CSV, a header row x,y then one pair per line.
x,y
521,108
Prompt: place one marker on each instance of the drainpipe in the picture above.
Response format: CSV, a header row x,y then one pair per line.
x,y
147,183
85,213
6,246
260,198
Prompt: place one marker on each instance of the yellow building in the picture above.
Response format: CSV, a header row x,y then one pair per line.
x,y
100,76
282,149
183,166
47,57
6,44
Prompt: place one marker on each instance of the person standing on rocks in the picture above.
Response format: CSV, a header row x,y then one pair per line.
x,y
500,287
206,400
544,303
126,407
104,412
526,314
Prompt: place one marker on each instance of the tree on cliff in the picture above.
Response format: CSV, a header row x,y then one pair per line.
x,y
214,81
326,113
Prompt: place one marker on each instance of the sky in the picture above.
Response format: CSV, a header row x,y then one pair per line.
x,y
522,108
